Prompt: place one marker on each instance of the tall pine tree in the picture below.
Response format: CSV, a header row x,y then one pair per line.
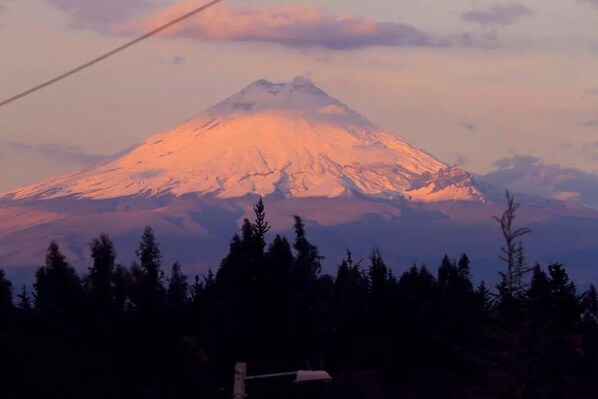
x,y
101,273
148,289
58,290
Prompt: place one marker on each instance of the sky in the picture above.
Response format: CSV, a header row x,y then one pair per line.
x,y
476,83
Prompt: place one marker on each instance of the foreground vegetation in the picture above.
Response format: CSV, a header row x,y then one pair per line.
x,y
132,332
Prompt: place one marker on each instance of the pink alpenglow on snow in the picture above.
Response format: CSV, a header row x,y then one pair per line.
x,y
290,139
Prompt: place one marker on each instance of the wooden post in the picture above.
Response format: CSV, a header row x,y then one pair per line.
x,y
239,383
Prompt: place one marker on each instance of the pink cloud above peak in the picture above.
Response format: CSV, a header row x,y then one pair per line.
x,y
294,25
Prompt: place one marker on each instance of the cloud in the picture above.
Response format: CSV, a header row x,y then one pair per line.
x,y
2,11
589,92
468,126
293,25
566,146
591,150
592,2
100,15
530,175
591,123
55,152
485,40
506,14
459,159
178,60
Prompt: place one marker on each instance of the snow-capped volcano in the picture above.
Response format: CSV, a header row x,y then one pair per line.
x,y
323,161
288,138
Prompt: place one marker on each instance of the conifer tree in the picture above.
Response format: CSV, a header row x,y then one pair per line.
x,y
520,270
454,280
148,289
209,280
254,244
279,263
278,290
305,291
379,276
150,257
246,231
260,225
24,304
236,289
6,305
483,298
279,260
58,291
196,290
351,293
252,254
590,307
122,284
463,267
447,272
207,298
308,260
197,304
539,296
534,338
589,351
101,273
178,288
566,302
380,288
231,267
351,288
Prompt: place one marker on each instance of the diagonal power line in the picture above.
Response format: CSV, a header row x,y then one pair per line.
x,y
110,53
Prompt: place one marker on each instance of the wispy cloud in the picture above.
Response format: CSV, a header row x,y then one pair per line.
x,y
101,15
55,152
2,10
566,146
506,14
591,150
590,92
468,126
590,123
459,159
294,25
592,2
530,175
178,60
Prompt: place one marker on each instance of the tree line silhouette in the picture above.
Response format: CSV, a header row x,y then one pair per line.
x,y
135,332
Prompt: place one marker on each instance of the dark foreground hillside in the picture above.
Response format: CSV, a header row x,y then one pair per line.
x,y
134,332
